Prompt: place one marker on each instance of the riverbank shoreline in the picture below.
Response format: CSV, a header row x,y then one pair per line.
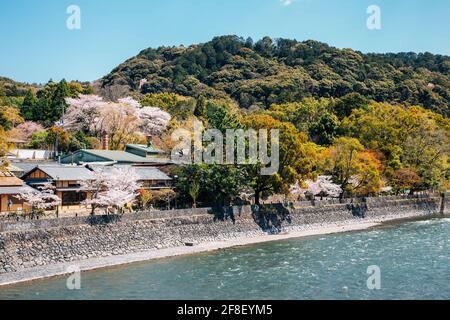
x,y
61,269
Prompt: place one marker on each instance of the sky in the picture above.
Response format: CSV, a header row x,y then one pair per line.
x,y
37,45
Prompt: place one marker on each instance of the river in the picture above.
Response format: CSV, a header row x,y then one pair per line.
x,y
413,259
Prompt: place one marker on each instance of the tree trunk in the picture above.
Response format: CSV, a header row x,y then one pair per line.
x,y
341,196
257,198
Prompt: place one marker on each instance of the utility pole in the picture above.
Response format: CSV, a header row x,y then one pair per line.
x,y
56,144
57,132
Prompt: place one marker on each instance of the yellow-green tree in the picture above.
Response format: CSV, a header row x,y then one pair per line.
x,y
194,191
4,147
295,157
10,117
176,105
408,137
356,170
145,197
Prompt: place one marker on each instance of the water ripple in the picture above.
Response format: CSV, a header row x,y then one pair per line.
x,y
413,259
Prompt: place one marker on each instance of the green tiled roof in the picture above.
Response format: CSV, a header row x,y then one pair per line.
x,y
145,148
122,156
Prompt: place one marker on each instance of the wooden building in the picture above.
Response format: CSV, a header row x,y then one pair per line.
x,y
66,180
150,178
10,187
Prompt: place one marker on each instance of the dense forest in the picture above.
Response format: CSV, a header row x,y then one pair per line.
x,y
280,71
358,123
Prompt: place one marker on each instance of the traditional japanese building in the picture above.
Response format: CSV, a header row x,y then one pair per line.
x,y
133,155
65,179
150,178
10,187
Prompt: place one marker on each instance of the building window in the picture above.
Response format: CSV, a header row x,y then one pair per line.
x,y
72,198
15,200
161,184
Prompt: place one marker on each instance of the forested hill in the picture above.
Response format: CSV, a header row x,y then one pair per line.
x,y
11,88
277,71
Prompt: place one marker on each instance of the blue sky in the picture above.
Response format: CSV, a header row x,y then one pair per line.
x,y
37,46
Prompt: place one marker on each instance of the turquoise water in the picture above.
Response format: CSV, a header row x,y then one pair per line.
x,y
414,260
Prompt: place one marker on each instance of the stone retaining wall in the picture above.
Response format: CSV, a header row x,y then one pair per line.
x,y
25,244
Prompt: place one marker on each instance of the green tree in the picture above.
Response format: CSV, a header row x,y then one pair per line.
x,y
217,184
284,71
353,101
194,191
50,103
222,115
28,105
325,129
39,140
200,107
354,169
177,105
292,152
408,137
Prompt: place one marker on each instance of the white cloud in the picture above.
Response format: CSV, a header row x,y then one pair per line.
x,y
286,2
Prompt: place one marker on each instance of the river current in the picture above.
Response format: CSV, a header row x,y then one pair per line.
x,y
404,261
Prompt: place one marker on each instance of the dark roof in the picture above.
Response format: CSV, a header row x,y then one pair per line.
x,y
122,156
67,173
143,147
145,173
15,190
28,166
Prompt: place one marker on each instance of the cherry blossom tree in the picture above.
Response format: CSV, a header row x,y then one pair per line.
x,y
112,188
322,187
94,187
119,120
121,187
83,113
131,102
40,200
25,130
152,120
94,116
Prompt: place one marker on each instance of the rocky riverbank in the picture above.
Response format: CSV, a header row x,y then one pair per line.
x,y
31,250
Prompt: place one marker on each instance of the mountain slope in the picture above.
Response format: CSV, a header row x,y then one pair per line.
x,y
276,71
11,88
